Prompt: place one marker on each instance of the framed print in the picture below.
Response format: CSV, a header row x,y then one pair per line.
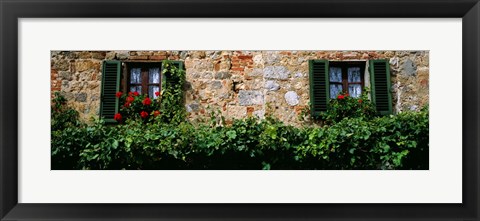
x,y
319,110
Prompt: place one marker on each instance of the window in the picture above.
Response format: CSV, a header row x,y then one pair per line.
x,y
346,77
142,77
327,79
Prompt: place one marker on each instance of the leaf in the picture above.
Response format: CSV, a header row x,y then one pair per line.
x,y
115,144
231,134
266,166
128,141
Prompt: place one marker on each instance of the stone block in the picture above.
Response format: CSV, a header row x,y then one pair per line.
x,y
292,98
409,68
250,97
99,55
193,107
110,55
123,55
61,65
222,75
84,66
257,72
81,97
276,72
85,55
272,57
216,85
272,86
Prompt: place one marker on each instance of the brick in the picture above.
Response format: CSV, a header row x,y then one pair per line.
x,y
138,57
158,57
245,57
250,111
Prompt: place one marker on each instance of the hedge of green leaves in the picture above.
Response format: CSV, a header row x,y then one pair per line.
x,y
390,142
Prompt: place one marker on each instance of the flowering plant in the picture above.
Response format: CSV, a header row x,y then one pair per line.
x,y
136,106
347,106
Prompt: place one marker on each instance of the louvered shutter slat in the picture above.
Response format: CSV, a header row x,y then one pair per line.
x,y
380,82
110,86
319,86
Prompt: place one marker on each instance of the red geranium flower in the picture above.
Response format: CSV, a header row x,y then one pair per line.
x,y
143,114
118,94
127,104
117,117
147,101
130,99
156,113
359,100
135,94
157,93
340,97
130,93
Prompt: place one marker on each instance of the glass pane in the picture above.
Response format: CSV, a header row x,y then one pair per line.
x,y
136,88
355,90
335,89
152,90
335,74
154,75
135,75
354,74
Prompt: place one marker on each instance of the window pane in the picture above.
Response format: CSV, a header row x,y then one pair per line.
x,y
335,89
135,75
152,90
136,88
154,75
354,74
355,90
335,74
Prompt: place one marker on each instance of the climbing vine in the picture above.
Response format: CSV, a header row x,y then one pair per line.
x,y
172,103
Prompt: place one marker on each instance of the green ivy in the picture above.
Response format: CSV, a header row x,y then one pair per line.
x,y
172,102
391,142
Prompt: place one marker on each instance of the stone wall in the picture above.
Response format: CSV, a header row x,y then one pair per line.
x,y
239,83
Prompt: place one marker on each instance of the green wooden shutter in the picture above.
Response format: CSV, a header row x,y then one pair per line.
x,y
381,86
110,86
319,86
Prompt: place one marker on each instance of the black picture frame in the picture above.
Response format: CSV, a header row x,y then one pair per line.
x,y
12,10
